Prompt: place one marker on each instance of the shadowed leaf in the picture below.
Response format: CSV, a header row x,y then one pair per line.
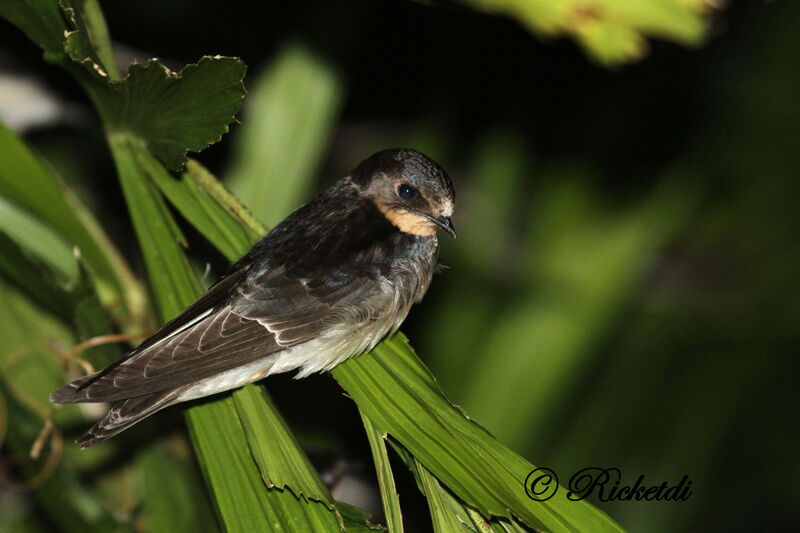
x,y
176,112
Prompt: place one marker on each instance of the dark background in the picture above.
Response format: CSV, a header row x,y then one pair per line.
x,y
624,288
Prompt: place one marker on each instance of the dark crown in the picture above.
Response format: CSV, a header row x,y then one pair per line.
x,y
419,168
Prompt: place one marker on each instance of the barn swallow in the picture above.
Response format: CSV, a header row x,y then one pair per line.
x,y
327,283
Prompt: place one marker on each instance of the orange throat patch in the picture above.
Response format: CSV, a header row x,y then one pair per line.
x,y
407,221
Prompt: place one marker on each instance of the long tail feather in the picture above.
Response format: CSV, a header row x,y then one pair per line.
x,y
127,414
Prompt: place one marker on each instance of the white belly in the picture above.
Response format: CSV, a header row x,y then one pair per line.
x,y
228,380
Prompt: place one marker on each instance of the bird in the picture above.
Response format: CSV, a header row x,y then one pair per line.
x,y
327,283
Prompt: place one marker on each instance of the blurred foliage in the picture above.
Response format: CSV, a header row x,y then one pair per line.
x,y
50,206
293,105
623,291
611,31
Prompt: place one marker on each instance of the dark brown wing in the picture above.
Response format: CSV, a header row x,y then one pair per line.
x,y
215,296
262,314
298,310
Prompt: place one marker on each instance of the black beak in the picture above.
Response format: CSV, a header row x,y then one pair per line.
x,y
446,224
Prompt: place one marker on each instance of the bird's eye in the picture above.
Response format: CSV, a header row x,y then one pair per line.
x,y
406,191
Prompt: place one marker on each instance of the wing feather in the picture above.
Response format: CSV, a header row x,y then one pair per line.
x,y
264,314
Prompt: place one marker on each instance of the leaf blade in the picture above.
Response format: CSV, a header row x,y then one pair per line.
x,y
174,113
389,496
481,471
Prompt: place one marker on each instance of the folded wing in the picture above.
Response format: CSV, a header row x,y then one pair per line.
x,y
243,318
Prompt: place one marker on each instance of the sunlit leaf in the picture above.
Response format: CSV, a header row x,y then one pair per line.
x,y
611,31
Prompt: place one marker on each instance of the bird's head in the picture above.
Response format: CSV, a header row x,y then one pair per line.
x,y
410,189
